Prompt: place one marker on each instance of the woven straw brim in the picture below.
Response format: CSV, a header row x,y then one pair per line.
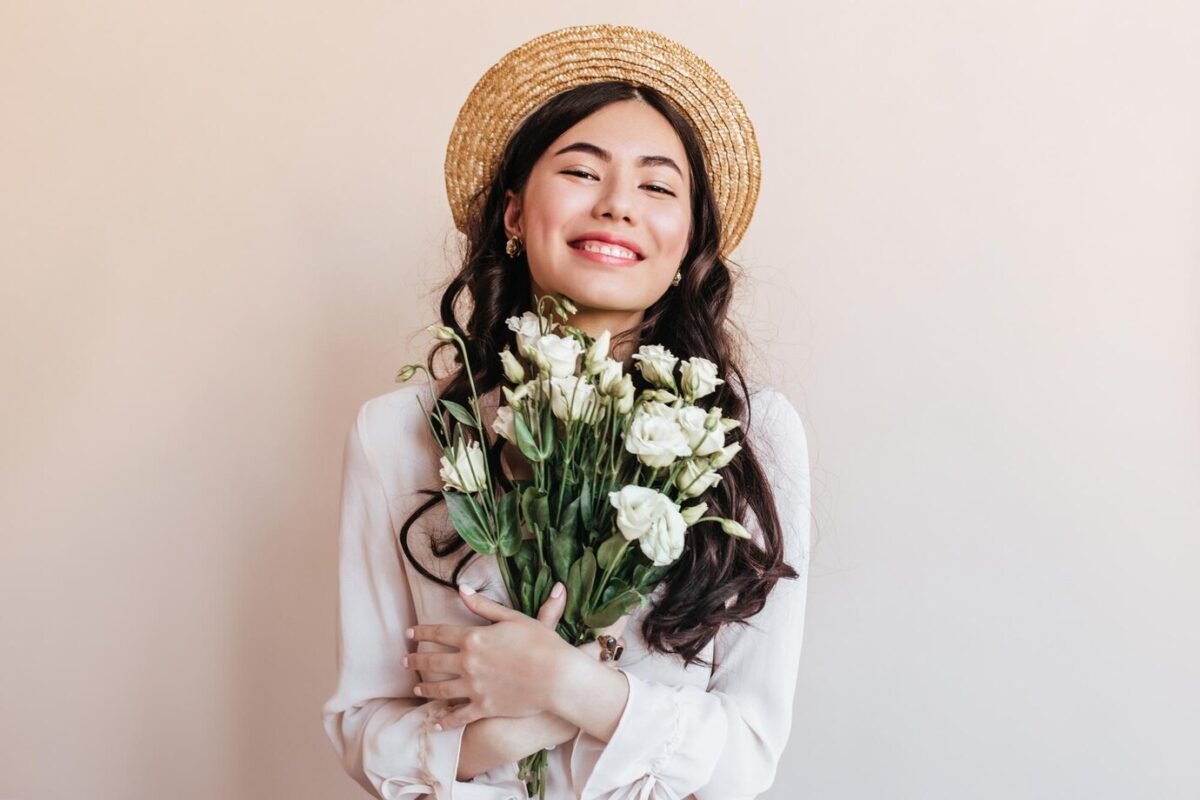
x,y
554,62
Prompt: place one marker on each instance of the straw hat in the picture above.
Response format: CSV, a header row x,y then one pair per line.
x,y
563,59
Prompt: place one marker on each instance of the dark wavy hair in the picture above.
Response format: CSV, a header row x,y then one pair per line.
x,y
719,579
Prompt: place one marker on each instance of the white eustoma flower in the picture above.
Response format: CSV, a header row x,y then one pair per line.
x,y
703,442
505,424
608,377
699,378
695,478
657,408
571,397
528,328
657,365
512,368
467,472
656,440
597,354
556,354
653,520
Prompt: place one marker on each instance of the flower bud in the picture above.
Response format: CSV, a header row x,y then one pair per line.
x,y
625,395
724,455
597,354
406,373
608,377
515,397
442,333
734,528
692,513
512,368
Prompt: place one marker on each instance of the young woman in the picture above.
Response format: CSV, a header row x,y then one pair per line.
x,y
613,166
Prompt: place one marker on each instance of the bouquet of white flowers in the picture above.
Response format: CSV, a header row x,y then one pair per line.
x,y
609,469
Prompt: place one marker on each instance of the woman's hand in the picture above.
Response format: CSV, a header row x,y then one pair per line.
x,y
504,669
501,667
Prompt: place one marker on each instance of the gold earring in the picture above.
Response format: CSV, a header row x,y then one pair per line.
x,y
678,277
513,248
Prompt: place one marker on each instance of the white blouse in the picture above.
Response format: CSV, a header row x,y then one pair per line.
x,y
706,733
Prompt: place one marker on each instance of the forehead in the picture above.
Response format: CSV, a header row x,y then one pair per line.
x,y
628,129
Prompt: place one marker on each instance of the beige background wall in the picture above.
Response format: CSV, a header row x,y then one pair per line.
x,y
974,267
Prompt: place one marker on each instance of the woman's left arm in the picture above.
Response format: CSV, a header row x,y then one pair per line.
x,y
725,743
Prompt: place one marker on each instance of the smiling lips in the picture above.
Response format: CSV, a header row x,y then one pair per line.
x,y
605,250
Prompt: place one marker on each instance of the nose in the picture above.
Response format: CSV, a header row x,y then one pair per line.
x,y
615,201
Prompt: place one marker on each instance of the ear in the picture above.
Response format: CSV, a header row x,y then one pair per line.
x,y
512,212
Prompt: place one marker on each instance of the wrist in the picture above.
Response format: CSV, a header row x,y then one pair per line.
x,y
588,694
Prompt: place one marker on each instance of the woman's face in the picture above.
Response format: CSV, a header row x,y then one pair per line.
x,y
619,175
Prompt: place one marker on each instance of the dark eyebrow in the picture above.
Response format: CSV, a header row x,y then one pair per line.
x,y
604,155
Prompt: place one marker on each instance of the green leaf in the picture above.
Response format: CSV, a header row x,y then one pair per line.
x,y
541,588
460,413
564,547
469,521
613,610
510,531
535,505
585,502
526,557
609,551
570,516
588,572
646,576
525,439
615,587
573,583
527,607
580,580
548,419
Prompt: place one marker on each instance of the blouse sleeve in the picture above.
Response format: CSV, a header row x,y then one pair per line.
x,y
725,743
381,731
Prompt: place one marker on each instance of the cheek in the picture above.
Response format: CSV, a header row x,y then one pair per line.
x,y
671,229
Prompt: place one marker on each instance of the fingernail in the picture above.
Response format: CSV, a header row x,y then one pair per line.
x,y
437,726
406,661
557,591
417,690
409,633
462,587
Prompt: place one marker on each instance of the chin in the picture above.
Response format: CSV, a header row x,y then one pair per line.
x,y
599,296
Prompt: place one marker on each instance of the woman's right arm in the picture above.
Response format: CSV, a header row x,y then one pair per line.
x,y
382,732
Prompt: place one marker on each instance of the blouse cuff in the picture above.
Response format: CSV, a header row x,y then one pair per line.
x,y
435,773
647,751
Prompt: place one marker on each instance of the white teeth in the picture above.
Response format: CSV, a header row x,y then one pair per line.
x,y
608,250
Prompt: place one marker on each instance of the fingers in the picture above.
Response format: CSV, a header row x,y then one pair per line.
x,y
450,663
455,688
451,635
460,715
486,607
552,610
